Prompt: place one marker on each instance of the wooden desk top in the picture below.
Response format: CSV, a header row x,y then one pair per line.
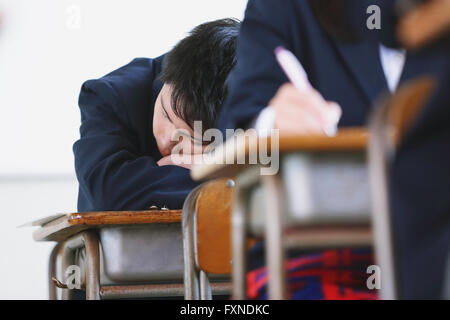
x,y
61,227
348,139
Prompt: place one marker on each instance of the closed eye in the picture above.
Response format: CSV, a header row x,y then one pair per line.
x,y
165,111
193,139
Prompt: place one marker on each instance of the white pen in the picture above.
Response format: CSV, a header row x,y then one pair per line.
x,y
297,75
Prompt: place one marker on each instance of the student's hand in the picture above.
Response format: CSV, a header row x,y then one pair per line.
x,y
303,112
165,161
185,161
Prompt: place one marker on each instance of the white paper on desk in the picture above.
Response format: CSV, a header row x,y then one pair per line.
x,y
41,222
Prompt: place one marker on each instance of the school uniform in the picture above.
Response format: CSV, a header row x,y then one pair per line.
x,y
116,155
355,75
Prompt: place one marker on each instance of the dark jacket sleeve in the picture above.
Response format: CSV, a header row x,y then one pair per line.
x,y
257,75
111,172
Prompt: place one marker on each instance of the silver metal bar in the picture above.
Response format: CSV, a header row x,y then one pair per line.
x,y
52,272
221,288
89,241
205,288
325,238
67,253
191,273
142,291
381,217
274,244
245,183
238,236
156,290
92,265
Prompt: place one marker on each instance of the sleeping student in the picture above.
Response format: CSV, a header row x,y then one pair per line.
x,y
348,69
130,117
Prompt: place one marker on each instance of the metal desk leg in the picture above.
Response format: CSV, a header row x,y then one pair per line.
x,y
92,265
191,274
274,246
238,236
52,272
381,216
89,241
67,253
205,287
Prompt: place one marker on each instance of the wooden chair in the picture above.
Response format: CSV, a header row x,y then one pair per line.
x,y
392,119
206,240
111,270
321,197
425,24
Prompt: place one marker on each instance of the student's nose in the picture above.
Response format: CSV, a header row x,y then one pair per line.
x,y
171,145
166,145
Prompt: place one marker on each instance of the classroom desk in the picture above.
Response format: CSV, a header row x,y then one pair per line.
x,y
277,203
61,227
348,139
371,148
80,230
286,222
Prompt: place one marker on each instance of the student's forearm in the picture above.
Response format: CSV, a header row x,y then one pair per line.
x,y
134,185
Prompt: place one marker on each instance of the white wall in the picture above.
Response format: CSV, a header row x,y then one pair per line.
x,y
23,262
47,49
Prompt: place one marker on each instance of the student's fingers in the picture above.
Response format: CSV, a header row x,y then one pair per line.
x,y
288,97
165,161
182,160
334,112
328,112
297,121
304,112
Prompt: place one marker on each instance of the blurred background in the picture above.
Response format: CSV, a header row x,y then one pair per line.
x,y
48,48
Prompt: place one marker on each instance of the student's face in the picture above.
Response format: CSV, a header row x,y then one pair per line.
x,y
167,126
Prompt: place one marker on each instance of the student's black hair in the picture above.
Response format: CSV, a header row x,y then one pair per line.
x,y
197,69
333,17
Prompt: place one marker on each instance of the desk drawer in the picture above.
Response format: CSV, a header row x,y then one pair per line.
x,y
327,188
318,189
142,253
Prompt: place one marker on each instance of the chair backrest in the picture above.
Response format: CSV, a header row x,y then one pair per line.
x,y
425,24
405,107
213,217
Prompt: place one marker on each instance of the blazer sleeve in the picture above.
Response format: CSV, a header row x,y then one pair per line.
x,y
257,75
111,173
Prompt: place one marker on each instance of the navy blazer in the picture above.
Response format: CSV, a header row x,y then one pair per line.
x,y
116,155
352,75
